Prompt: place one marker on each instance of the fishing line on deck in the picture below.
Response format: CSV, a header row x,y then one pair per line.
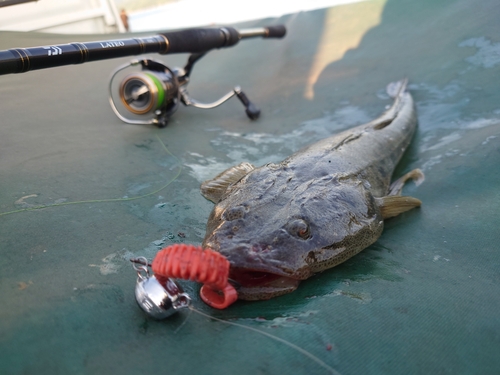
x,y
41,207
276,338
160,296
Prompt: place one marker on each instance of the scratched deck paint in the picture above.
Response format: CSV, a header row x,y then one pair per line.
x,y
422,299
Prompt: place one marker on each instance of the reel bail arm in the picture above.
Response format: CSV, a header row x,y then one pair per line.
x,y
183,77
251,110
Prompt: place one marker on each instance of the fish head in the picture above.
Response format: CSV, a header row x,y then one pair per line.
x,y
275,232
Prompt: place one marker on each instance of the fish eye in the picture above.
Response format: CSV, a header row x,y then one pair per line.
x,y
299,228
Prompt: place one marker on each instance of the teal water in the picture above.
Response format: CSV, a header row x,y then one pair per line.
x,y
423,299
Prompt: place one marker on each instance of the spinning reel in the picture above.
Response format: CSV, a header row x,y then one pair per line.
x,y
157,90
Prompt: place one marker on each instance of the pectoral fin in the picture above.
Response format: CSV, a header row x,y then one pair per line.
x,y
393,205
214,188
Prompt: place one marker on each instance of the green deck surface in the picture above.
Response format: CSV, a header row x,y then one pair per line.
x,y
424,299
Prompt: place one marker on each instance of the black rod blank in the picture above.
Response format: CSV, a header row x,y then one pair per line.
x,y
20,60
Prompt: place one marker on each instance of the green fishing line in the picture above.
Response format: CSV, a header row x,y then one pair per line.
x,y
41,207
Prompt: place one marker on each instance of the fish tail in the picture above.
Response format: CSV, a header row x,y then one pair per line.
x,y
395,89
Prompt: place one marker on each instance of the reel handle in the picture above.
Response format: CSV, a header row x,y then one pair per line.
x,y
251,110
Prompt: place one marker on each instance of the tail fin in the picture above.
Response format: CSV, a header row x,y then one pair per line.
x,y
394,89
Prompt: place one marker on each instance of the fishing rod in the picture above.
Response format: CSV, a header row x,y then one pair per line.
x,y
153,94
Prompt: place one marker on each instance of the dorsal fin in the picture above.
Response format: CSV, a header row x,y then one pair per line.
x,y
214,188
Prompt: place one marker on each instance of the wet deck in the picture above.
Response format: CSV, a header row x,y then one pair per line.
x,y
423,299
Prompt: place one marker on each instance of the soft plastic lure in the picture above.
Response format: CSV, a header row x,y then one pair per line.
x,y
189,262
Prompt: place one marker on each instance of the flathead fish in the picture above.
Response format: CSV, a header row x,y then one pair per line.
x,y
282,223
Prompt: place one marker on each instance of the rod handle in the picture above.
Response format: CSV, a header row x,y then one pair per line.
x,y
200,40
278,31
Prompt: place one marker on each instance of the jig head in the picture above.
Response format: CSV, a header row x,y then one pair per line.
x,y
160,296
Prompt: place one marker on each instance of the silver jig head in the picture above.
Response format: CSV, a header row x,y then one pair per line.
x,y
159,298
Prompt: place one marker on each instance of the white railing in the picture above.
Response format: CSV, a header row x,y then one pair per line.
x,y
62,16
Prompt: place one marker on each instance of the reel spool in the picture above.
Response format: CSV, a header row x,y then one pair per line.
x,y
144,93
153,94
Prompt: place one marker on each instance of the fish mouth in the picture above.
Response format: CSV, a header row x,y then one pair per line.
x,y
253,284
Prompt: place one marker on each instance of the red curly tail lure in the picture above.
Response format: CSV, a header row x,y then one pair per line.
x,y
190,262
